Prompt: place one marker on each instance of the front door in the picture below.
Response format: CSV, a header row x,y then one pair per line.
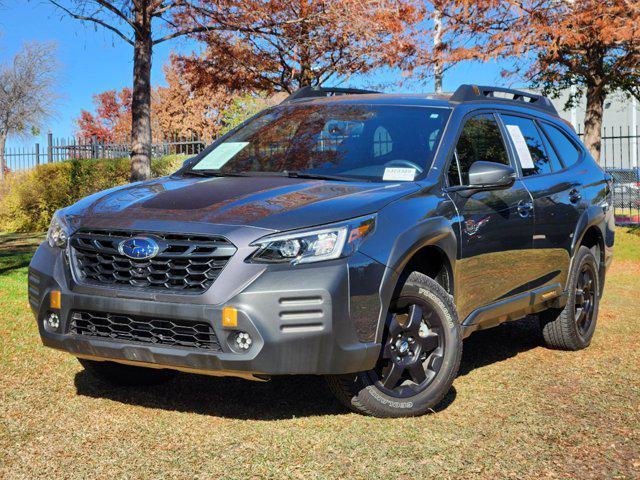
x,y
495,234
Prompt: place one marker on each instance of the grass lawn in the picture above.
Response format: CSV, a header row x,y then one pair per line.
x,y
517,410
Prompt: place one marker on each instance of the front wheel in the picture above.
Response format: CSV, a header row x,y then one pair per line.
x,y
419,360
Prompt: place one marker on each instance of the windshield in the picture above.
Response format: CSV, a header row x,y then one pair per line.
x,y
359,142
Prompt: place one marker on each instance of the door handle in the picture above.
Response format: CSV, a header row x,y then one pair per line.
x,y
524,208
574,195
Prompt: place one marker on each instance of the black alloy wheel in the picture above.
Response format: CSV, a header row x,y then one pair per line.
x,y
420,353
413,350
585,298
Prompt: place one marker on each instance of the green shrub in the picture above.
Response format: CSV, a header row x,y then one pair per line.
x,y
28,199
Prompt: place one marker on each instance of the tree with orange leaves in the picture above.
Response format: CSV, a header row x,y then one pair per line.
x,y
111,120
592,45
333,41
143,24
184,111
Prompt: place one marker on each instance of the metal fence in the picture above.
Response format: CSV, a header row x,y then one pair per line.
x,y
620,157
64,149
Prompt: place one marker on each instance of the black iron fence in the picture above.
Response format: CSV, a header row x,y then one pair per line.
x,y
64,149
620,157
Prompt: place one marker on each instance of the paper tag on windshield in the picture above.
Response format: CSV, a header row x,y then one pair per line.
x,y
220,155
521,146
399,174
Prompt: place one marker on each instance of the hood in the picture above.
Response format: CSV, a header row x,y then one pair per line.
x,y
274,203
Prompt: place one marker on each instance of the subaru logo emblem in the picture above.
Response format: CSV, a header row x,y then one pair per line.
x,y
139,248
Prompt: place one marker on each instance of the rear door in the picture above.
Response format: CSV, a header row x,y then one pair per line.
x,y
557,197
496,227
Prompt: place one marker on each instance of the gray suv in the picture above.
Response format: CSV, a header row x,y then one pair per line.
x,y
344,233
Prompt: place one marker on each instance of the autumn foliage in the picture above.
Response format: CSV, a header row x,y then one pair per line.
x,y
179,110
310,43
111,120
593,45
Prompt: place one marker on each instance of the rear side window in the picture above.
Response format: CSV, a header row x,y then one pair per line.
x,y
480,139
529,145
565,148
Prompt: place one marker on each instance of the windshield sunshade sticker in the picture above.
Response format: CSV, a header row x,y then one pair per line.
x,y
521,146
399,174
220,155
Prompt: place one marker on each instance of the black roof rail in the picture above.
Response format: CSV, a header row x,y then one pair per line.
x,y
321,92
472,93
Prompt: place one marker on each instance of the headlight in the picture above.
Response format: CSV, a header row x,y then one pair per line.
x,y
58,234
314,245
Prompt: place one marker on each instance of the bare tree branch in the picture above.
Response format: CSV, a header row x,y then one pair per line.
x,y
116,11
94,20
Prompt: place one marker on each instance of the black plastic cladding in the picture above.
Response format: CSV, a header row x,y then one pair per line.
x,y
185,263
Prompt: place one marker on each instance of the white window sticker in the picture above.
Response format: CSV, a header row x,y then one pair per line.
x,y
521,146
220,155
399,174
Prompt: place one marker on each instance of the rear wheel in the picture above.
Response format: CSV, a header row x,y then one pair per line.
x,y
419,360
119,374
572,327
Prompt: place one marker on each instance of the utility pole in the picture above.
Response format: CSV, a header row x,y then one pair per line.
x,y
634,132
437,44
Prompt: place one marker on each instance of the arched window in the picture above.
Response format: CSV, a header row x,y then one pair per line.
x,y
382,143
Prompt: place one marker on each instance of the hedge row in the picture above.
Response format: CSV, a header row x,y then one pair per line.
x,y
28,199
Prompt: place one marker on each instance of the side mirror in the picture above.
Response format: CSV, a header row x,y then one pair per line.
x,y
187,162
490,176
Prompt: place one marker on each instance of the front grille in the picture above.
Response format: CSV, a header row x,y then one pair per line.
x,y
139,329
184,263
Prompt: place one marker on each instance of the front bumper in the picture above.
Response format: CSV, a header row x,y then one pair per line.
x,y
315,319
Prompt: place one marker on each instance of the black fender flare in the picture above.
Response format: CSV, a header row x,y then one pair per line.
x,y
434,231
593,216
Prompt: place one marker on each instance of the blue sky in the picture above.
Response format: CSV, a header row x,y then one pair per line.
x,y
94,60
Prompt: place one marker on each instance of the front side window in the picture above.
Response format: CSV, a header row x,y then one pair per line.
x,y
480,140
360,142
529,146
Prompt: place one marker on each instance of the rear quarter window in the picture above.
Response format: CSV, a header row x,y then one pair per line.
x,y
565,148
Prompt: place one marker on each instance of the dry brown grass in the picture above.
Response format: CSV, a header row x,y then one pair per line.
x,y
517,410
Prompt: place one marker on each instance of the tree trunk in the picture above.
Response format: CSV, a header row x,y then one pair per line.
x,y
593,120
3,163
141,103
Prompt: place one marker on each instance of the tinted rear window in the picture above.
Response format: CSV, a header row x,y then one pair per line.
x,y
538,161
565,148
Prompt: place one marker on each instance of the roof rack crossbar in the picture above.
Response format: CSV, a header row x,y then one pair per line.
x,y
471,93
320,92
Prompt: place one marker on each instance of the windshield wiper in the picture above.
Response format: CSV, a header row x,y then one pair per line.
x,y
213,173
319,176
285,173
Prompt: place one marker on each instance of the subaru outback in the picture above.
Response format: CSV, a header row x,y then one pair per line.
x,y
344,233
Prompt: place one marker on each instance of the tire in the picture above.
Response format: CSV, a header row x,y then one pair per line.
x,y
374,393
572,327
126,375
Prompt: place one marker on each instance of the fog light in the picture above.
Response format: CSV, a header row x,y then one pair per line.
x,y
52,322
243,341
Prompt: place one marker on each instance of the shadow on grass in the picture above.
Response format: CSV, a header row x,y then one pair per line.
x,y
499,344
293,396
16,250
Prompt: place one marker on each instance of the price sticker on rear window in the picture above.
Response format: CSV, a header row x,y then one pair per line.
x,y
220,155
521,146
399,174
